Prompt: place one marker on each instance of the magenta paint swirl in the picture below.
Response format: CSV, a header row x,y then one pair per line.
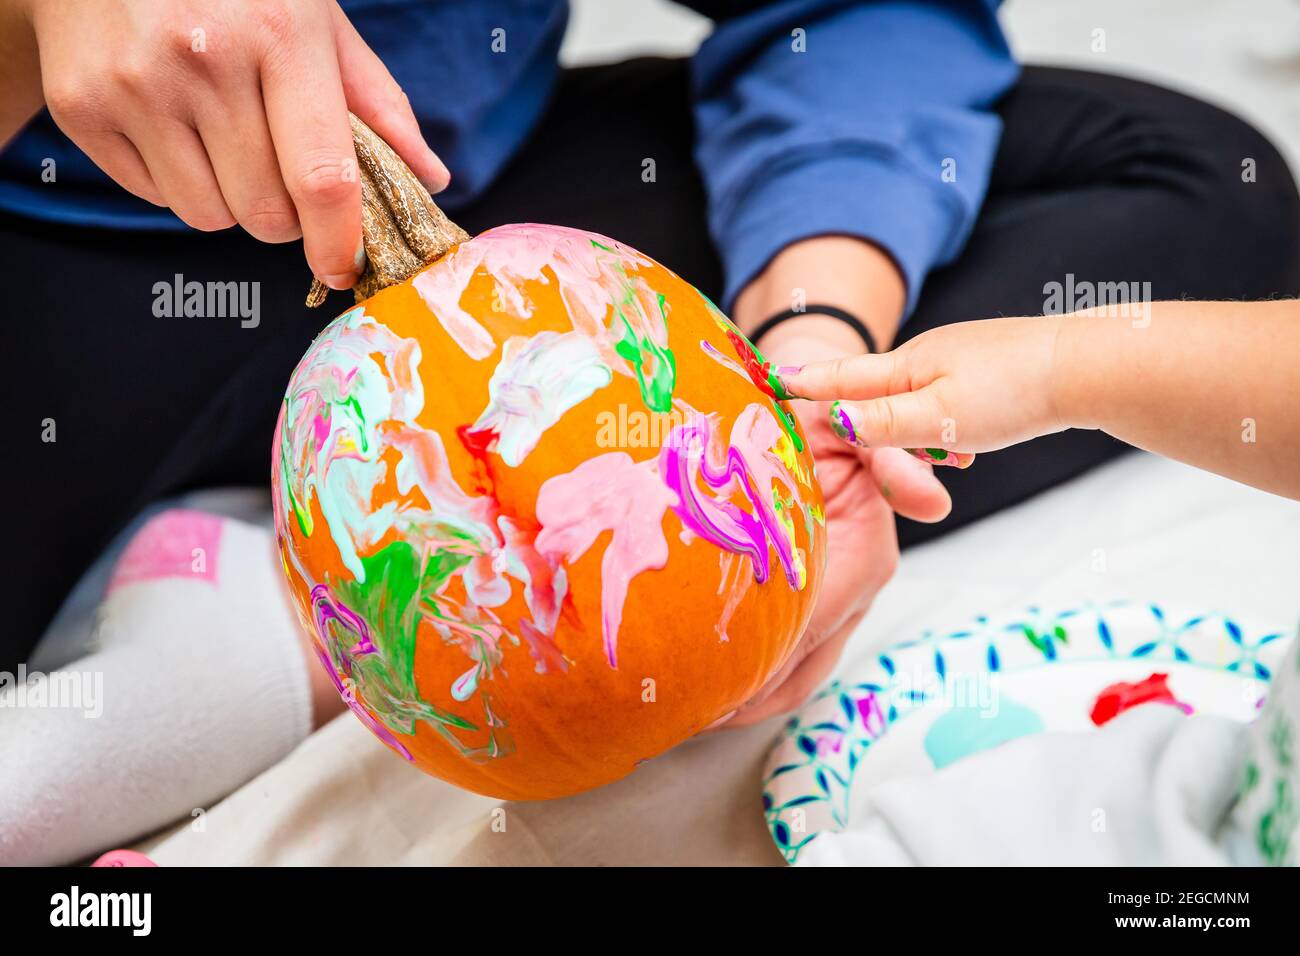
x,y
685,455
328,608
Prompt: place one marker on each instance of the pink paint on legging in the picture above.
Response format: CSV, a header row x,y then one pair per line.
x,y
179,543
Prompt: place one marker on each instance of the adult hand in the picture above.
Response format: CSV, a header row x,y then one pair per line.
x,y
229,111
863,488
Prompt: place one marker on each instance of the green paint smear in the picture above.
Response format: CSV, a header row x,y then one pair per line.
x,y
389,601
1251,779
1273,833
300,513
787,423
1039,640
354,404
640,352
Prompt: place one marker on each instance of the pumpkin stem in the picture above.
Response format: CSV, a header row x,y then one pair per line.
x,y
402,228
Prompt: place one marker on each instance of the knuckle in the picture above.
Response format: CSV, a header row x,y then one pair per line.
x,y
206,220
72,101
396,100
938,406
324,183
278,21
136,75
270,220
839,371
180,39
898,372
881,421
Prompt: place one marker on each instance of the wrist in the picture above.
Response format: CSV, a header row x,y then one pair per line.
x,y
1075,370
839,271
810,338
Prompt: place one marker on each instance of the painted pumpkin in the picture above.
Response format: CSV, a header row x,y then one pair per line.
x,y
539,506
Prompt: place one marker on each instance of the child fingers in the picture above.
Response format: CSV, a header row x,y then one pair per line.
x,y
894,421
852,377
910,420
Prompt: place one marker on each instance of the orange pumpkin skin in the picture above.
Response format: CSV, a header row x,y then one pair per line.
x,y
539,514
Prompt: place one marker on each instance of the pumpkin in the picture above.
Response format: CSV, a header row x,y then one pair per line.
x,y
537,501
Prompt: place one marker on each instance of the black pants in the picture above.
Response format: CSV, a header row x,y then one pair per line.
x,y
1107,179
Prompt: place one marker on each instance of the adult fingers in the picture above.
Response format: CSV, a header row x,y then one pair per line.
x,y
909,485
238,141
376,98
913,421
905,420
179,166
308,118
117,156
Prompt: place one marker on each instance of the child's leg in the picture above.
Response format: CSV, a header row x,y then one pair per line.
x,y
199,681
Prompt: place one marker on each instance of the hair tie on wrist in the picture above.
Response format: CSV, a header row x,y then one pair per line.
x,y
848,318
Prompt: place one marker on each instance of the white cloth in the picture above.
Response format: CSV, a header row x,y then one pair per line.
x,y
1151,787
1133,793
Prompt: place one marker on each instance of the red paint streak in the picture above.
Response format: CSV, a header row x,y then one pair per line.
x,y
478,444
1117,698
757,371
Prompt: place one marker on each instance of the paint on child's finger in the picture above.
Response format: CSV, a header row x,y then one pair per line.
x,y
780,385
941,456
846,422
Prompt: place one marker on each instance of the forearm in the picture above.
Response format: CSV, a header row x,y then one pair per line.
x,y
20,70
1213,384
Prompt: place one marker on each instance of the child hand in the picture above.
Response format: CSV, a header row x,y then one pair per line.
x,y
949,392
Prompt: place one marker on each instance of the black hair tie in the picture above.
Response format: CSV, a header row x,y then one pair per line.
x,y
848,318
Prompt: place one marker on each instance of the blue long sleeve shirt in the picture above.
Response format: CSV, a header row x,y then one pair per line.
x,y
813,117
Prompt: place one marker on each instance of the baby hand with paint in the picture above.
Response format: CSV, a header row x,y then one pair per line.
x,y
1212,384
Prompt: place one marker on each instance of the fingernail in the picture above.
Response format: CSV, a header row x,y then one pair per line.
x,y
779,384
941,456
440,179
340,282
846,422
